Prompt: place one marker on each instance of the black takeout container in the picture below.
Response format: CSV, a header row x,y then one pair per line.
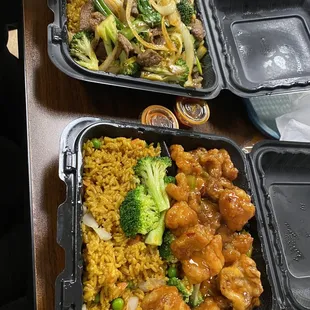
x,y
255,48
275,174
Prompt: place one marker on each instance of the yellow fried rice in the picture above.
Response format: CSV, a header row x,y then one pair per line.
x,y
107,177
73,14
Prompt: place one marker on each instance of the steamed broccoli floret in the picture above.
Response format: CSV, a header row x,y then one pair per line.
x,y
152,171
184,287
169,179
165,249
130,66
177,73
139,213
108,33
155,236
196,298
148,14
82,52
180,62
186,11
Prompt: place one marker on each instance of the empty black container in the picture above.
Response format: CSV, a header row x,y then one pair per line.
x,y
264,45
255,48
276,174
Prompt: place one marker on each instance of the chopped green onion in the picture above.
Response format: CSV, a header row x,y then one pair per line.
x,y
130,285
198,64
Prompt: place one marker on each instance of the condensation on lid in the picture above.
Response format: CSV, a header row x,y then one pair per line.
x,y
191,112
157,115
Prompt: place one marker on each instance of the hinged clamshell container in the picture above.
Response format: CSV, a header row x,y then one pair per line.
x,y
58,51
263,45
255,48
275,174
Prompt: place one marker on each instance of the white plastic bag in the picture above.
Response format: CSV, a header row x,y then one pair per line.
x,y
295,126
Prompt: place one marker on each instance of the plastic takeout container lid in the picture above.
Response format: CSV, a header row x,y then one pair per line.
x,y
276,174
254,48
263,46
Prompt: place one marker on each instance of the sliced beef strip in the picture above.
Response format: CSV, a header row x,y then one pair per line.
x,y
159,40
85,15
134,9
125,44
157,36
149,58
156,32
95,19
118,51
195,75
197,29
100,51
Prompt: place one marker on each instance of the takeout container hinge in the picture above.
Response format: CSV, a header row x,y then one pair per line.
x,y
69,162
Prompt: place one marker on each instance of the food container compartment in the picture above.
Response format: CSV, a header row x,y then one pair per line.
x,y
255,48
58,51
282,176
264,45
276,174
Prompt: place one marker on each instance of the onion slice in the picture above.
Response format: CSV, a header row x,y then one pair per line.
x,y
116,6
151,284
132,303
135,33
175,19
178,38
189,50
166,9
113,6
166,35
89,221
106,64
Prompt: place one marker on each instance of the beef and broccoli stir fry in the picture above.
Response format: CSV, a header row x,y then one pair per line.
x,y
158,40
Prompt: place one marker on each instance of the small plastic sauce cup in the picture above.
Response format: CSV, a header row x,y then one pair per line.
x,y
157,115
192,112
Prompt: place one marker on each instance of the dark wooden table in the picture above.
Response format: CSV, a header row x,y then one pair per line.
x,y
53,100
